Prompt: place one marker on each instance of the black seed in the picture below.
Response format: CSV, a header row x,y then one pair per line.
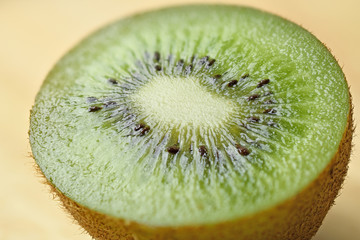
x,y
112,81
242,150
211,62
270,111
254,119
245,76
94,108
217,76
192,58
263,82
158,68
203,60
173,149
180,62
139,126
91,99
144,130
188,69
157,56
203,150
232,83
253,97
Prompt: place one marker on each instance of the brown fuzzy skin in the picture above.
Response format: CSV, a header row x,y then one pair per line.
x,y
297,218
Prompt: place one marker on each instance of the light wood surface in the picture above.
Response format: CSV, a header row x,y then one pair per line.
x,y
34,34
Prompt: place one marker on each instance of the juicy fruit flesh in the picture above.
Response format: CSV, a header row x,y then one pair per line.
x,y
265,145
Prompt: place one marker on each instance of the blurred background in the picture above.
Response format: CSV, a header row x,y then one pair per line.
x,y
34,34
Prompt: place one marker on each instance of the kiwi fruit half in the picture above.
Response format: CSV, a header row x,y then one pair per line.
x,y
195,122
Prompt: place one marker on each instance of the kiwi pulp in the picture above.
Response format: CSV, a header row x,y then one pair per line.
x,y
195,122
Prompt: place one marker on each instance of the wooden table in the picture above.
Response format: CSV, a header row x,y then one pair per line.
x,y
34,34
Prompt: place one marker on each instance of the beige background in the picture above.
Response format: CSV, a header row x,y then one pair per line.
x,y
34,34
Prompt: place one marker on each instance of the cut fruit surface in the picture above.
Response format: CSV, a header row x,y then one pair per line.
x,y
190,116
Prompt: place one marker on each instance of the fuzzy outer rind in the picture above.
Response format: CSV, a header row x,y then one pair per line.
x,y
297,218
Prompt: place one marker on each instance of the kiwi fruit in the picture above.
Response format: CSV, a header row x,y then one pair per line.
x,y
195,122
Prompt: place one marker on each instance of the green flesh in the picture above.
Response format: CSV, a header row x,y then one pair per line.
x,y
180,145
